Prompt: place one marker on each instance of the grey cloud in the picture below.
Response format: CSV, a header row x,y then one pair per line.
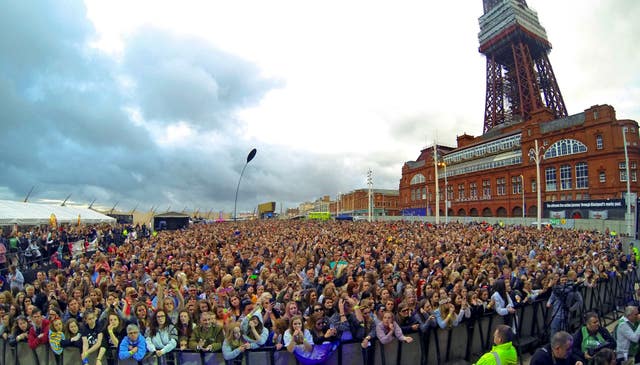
x,y
183,78
64,122
41,37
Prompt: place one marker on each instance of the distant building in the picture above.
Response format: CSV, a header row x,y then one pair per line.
x,y
355,203
322,204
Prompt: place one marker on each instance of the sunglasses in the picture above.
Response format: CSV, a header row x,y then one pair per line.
x,y
318,309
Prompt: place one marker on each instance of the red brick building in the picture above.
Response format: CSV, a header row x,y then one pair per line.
x,y
581,159
355,203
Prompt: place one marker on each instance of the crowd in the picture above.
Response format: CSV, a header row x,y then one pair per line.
x,y
298,286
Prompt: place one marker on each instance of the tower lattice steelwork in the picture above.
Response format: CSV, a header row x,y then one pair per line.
x,y
520,79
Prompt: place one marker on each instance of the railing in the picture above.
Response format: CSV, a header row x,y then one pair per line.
x,y
461,344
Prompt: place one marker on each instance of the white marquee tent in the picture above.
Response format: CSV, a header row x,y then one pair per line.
x,y
20,213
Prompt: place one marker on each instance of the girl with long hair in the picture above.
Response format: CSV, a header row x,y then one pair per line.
x,y
446,314
140,316
234,345
161,336
56,335
185,324
111,335
235,310
297,338
72,335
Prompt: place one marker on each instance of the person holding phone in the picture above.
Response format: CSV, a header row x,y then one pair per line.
x,y
321,330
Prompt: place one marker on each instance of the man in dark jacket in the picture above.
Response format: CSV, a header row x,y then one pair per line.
x,y
591,338
558,352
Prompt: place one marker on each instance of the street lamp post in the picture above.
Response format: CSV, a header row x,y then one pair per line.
x,y
250,157
534,154
522,187
446,192
435,167
370,184
628,199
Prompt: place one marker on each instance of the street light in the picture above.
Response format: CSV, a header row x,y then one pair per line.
x,y
370,184
435,168
522,187
446,192
628,199
250,157
534,154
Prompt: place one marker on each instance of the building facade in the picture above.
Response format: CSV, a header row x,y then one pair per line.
x,y
581,158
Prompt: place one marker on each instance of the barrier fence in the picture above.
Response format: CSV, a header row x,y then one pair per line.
x,y
464,343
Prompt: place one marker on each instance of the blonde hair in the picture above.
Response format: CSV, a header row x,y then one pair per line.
x,y
229,338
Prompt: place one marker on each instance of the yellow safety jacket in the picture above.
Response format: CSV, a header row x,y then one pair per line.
x,y
506,355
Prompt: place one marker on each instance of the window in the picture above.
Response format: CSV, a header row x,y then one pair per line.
x,y
550,174
623,171
565,177
565,147
582,175
449,192
417,179
473,190
413,195
534,186
424,193
486,188
599,143
516,184
603,177
633,172
502,145
501,187
461,192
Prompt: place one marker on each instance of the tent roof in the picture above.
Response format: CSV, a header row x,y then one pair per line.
x,y
12,212
171,215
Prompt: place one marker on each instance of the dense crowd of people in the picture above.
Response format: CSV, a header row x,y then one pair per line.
x,y
301,286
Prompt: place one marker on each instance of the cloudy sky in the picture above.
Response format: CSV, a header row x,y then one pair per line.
x,y
157,103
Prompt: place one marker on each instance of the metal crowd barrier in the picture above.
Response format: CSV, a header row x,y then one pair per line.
x,y
464,343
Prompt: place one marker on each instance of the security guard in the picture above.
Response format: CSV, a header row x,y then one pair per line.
x,y
503,352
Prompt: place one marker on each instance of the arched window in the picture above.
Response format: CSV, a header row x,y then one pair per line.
x,y
565,147
417,179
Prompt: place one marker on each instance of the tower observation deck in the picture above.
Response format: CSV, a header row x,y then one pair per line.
x,y
520,79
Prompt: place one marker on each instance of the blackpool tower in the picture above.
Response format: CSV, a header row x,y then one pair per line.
x,y
520,79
